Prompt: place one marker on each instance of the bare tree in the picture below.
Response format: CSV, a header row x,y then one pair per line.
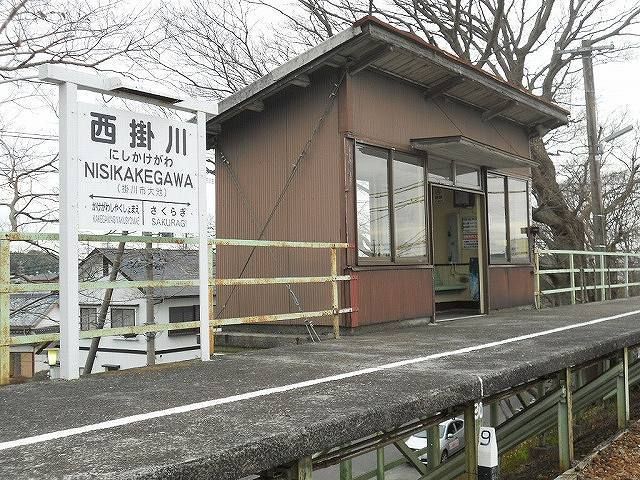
x,y
83,33
24,193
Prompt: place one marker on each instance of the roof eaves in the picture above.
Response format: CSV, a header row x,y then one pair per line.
x,y
408,41
285,73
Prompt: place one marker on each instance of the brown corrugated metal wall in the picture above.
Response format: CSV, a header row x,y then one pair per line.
x,y
510,286
262,148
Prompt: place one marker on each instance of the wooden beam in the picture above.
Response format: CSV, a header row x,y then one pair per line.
x,y
301,80
497,110
369,58
443,87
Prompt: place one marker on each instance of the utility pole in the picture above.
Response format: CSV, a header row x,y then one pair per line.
x,y
150,317
597,208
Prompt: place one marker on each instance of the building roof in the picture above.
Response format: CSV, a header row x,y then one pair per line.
x,y
27,310
373,44
169,264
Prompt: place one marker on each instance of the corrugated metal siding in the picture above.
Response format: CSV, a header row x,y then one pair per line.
x,y
387,295
510,286
262,148
392,112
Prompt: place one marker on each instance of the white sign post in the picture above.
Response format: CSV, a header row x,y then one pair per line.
x,y
125,171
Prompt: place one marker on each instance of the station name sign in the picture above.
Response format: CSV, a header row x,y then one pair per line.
x,y
137,173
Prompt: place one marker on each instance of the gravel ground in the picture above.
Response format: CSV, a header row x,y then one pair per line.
x,y
619,461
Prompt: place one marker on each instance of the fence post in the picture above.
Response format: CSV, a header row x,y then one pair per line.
x,y
346,470
626,275
573,279
603,285
335,302
5,325
565,421
536,279
212,301
622,390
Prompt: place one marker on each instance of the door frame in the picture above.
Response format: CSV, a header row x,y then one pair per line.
x,y
483,257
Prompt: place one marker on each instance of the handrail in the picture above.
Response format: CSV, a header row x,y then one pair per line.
x,y
7,288
601,272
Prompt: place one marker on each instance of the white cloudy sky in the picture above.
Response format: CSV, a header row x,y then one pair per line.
x,y
616,85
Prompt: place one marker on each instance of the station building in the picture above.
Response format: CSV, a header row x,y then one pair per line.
x,y
415,157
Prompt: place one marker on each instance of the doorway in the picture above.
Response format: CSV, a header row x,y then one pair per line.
x,y
458,260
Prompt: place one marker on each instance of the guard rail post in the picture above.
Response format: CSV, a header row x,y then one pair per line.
x,y
304,469
565,421
622,390
380,463
471,432
433,441
346,470
5,325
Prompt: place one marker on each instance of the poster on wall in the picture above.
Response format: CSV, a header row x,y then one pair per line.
x,y
470,233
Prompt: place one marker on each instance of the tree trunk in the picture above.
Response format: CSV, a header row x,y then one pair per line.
x,y
102,315
567,229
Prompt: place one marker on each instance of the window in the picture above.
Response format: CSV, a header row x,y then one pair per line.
x,y
467,176
508,212
391,223
440,171
497,212
122,317
372,202
409,206
518,220
190,313
88,318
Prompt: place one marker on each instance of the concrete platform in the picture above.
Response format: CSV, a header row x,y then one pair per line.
x,y
241,414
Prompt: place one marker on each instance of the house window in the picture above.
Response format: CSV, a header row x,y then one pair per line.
x,y
390,205
88,318
122,317
409,212
508,214
189,313
372,202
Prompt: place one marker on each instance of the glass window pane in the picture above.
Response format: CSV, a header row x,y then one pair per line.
x,y
497,213
440,170
518,220
409,206
467,176
372,202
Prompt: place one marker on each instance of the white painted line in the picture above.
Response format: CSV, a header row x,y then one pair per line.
x,y
142,417
460,318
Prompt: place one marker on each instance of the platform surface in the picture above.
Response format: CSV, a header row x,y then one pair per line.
x,y
240,414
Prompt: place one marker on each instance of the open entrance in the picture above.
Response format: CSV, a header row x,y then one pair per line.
x,y
458,261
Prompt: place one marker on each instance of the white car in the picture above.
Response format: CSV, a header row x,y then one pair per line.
x,y
451,434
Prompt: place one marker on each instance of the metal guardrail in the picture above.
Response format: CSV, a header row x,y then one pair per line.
x,y
7,288
599,271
